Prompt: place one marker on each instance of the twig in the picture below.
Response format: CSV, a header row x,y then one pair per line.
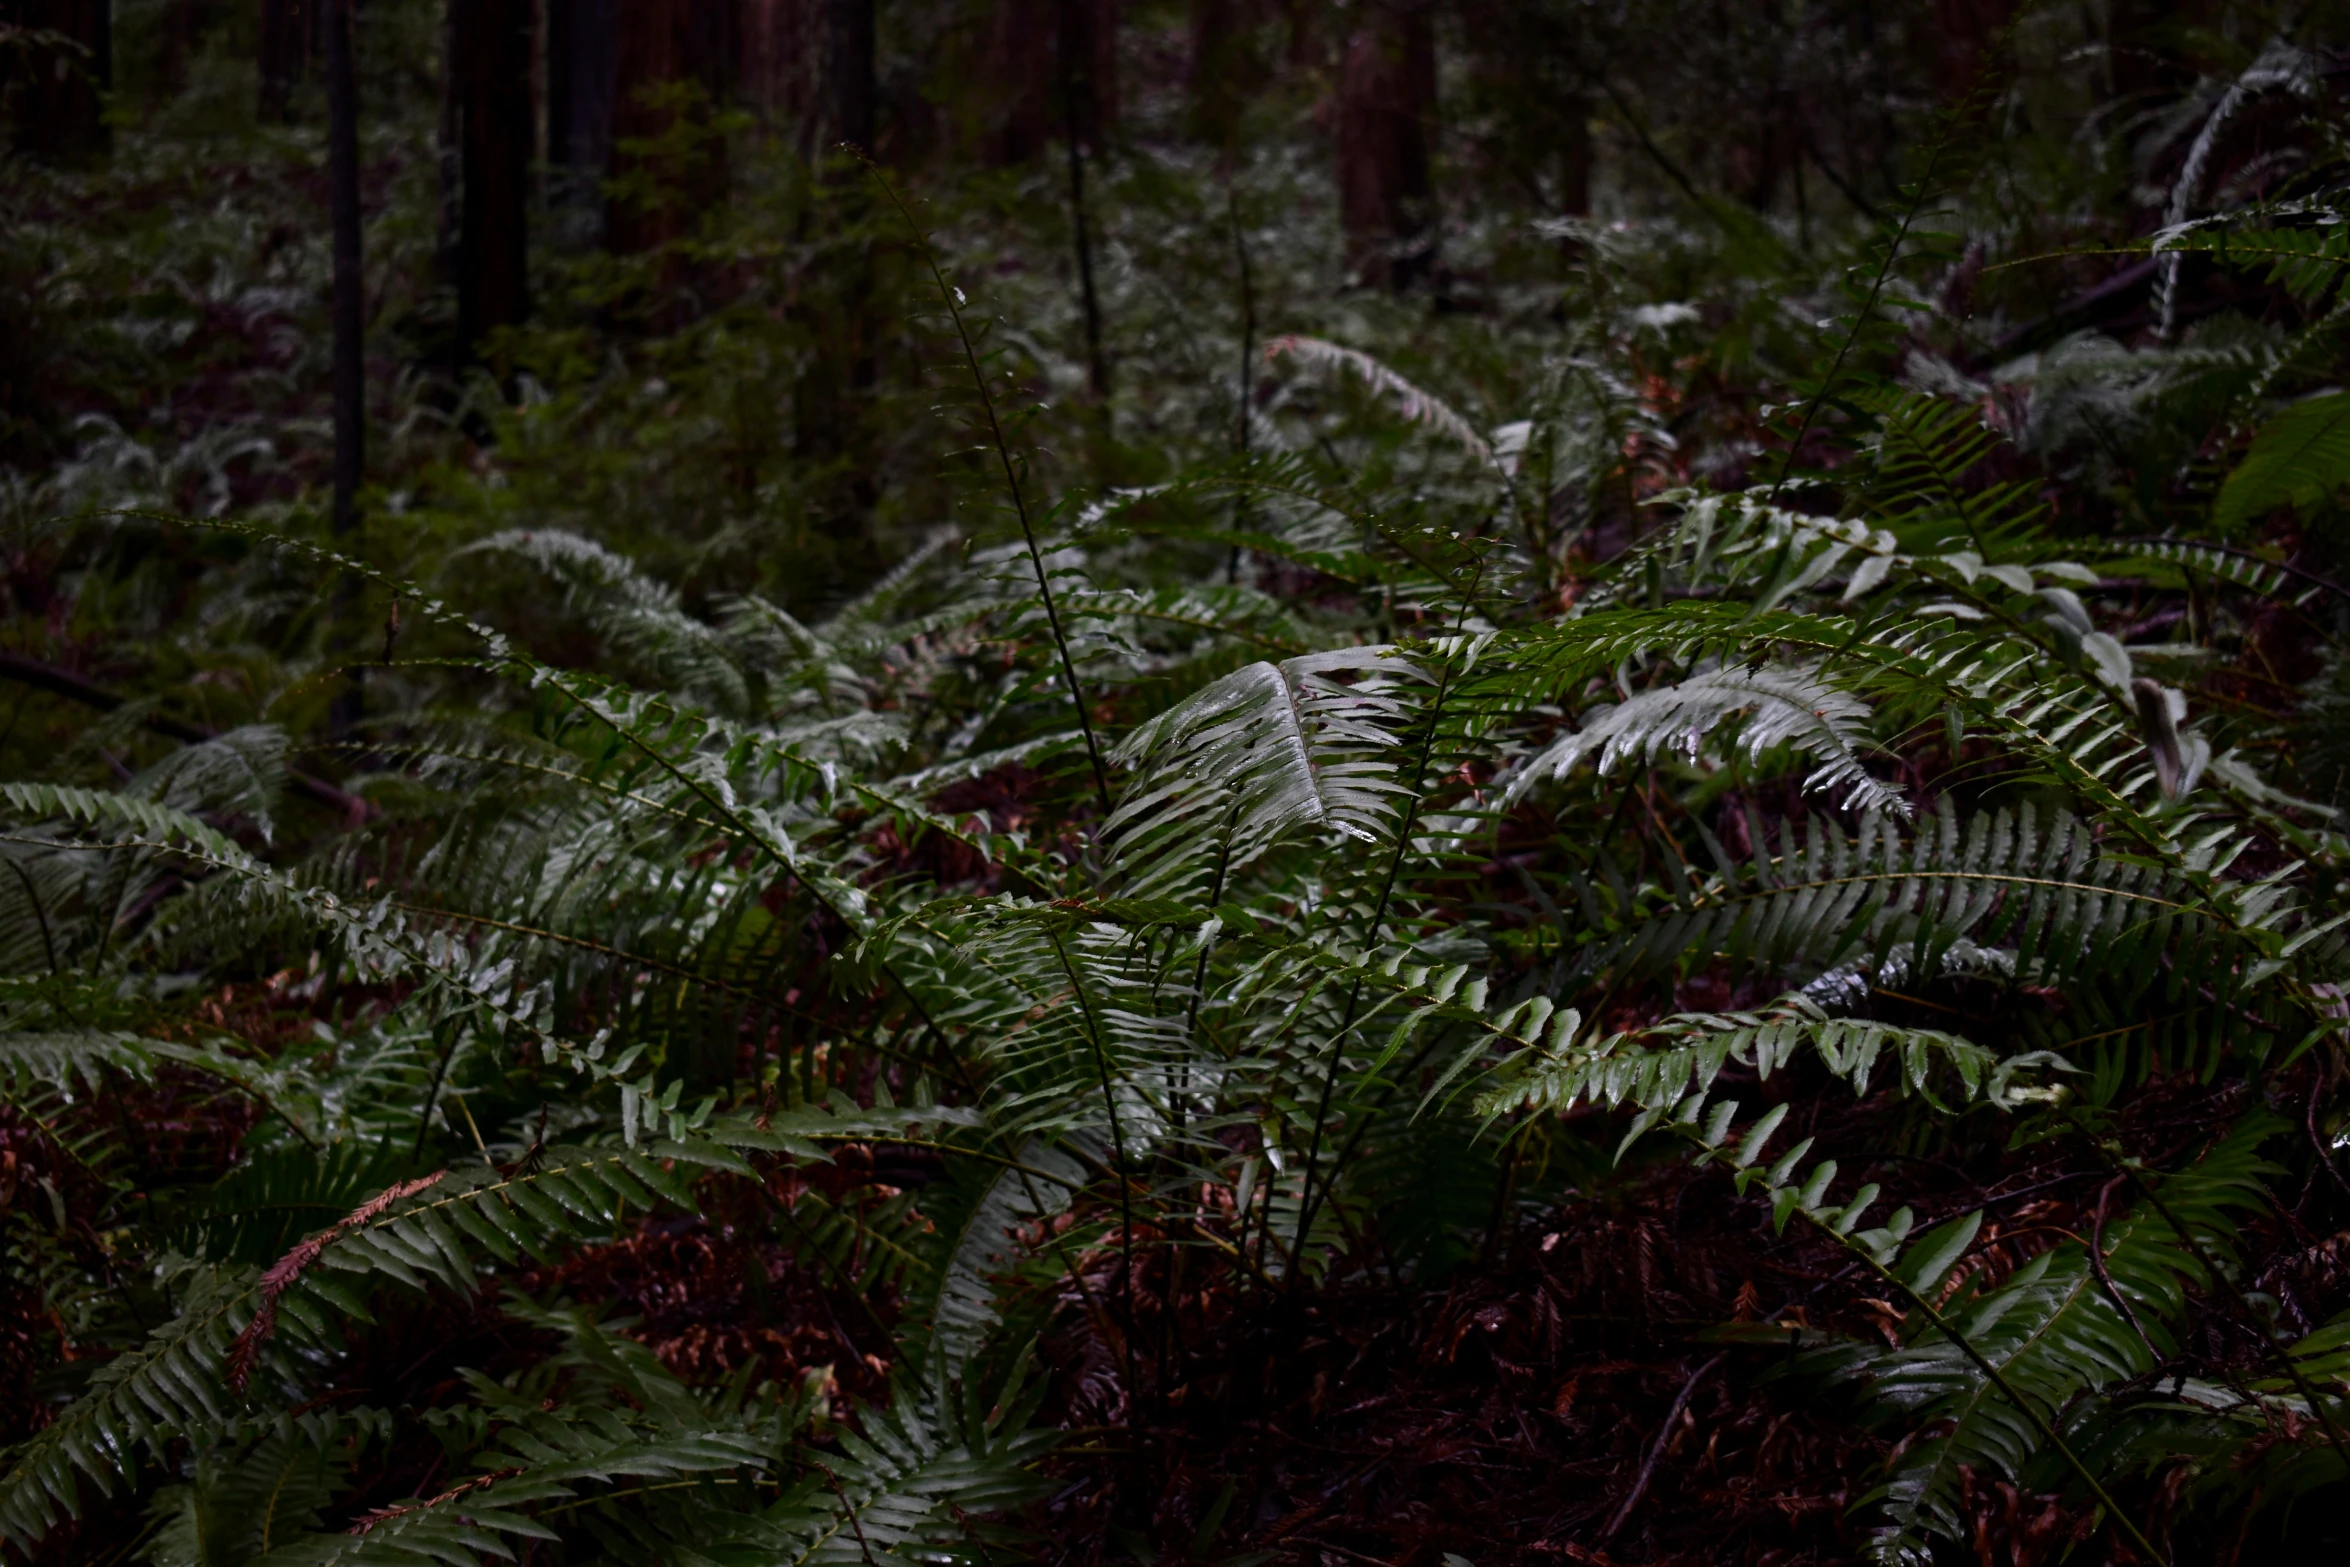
x,y
59,682
1101,1061
1656,1447
2097,1261
2032,1412
2113,1155
1003,451
849,1507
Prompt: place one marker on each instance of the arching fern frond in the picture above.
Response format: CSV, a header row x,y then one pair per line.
x,y
1264,752
1773,706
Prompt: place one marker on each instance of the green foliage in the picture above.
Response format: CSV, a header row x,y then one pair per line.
x,y
2299,459
1176,875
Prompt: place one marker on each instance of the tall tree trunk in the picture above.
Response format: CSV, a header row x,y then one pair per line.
x,y
1222,69
849,71
177,33
583,73
350,323
286,27
1386,94
60,92
1043,51
1574,155
1966,33
674,55
489,88
1081,109
777,70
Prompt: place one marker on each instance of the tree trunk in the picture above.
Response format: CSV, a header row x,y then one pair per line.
x,y
676,61
776,72
1055,62
1966,33
60,91
1386,94
285,54
583,73
350,388
849,69
350,348
489,88
1574,171
1222,71
1081,108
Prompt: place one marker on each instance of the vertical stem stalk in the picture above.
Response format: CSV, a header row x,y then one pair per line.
x,y
1076,125
350,324
350,411
1003,451
1101,1061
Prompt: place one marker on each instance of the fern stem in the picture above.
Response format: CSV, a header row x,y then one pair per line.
x,y
1307,1197
440,1072
2129,1168
1860,321
1656,1448
1248,371
1003,451
1101,1061
2007,1390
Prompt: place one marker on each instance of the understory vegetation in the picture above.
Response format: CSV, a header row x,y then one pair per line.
x,y
1649,877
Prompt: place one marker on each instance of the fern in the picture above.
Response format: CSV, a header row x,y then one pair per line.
x,y
2299,459
1789,707
1139,912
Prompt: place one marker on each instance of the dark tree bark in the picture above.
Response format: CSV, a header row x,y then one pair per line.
x,y
583,73
350,320
676,61
1305,34
286,30
1081,26
1966,33
59,93
1043,51
178,33
1223,69
1532,94
808,67
849,70
489,90
1574,155
776,72
350,323
1386,94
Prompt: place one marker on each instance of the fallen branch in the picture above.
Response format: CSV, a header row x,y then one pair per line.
x,y
59,682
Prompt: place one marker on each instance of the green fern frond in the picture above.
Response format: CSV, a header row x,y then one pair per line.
x,y
1262,753
1788,705
2299,459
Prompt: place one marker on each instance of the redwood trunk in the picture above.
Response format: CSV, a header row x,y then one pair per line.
x,y
1967,34
1223,69
350,322
286,28
1386,94
777,69
489,85
1056,63
60,92
583,73
675,61
342,151
849,69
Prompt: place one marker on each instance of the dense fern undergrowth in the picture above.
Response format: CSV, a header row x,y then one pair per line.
x,y
1772,978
